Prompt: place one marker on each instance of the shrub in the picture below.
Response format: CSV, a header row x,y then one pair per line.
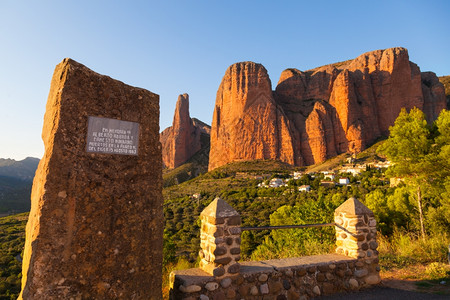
x,y
437,271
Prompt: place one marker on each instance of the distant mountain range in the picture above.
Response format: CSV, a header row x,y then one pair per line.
x,y
16,179
22,169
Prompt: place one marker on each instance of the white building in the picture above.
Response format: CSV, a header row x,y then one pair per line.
x,y
344,181
276,182
297,175
197,196
329,176
304,188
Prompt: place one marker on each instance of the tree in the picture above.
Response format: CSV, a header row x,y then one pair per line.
x,y
408,145
419,154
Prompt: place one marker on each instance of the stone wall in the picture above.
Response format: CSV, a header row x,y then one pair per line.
x,y
354,266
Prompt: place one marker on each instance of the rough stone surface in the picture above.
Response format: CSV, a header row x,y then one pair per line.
x,y
262,277
226,282
211,286
316,290
264,288
254,290
190,288
317,114
184,138
247,123
95,225
373,279
353,283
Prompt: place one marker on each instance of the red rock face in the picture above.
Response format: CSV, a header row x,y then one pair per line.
x,y
317,114
182,140
247,123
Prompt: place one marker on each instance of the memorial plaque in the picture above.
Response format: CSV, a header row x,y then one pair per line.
x,y
112,136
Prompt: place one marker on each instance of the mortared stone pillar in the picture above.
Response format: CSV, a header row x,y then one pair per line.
x,y
95,225
220,237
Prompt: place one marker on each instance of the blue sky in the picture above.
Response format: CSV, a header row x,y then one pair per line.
x,y
175,47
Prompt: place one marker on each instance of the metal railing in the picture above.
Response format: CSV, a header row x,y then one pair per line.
x,y
287,226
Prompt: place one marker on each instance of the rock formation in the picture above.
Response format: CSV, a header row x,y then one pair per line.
x,y
96,224
247,122
445,80
185,137
316,114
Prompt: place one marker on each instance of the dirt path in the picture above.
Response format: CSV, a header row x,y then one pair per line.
x,y
411,279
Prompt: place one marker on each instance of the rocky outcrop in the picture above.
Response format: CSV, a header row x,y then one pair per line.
x,y
316,114
445,80
247,122
185,137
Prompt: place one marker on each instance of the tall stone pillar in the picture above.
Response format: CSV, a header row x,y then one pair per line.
x,y
95,225
220,238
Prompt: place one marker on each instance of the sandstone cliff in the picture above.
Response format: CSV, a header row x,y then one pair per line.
x,y
185,137
316,114
247,122
445,80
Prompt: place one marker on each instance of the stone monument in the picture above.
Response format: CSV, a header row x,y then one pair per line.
x,y
95,225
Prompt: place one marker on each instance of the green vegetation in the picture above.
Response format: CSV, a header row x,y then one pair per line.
x,y
413,227
421,158
12,240
403,248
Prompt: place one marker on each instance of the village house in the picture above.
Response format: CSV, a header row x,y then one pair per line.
x,y
327,183
304,188
276,182
394,181
329,176
344,181
196,196
353,170
297,175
